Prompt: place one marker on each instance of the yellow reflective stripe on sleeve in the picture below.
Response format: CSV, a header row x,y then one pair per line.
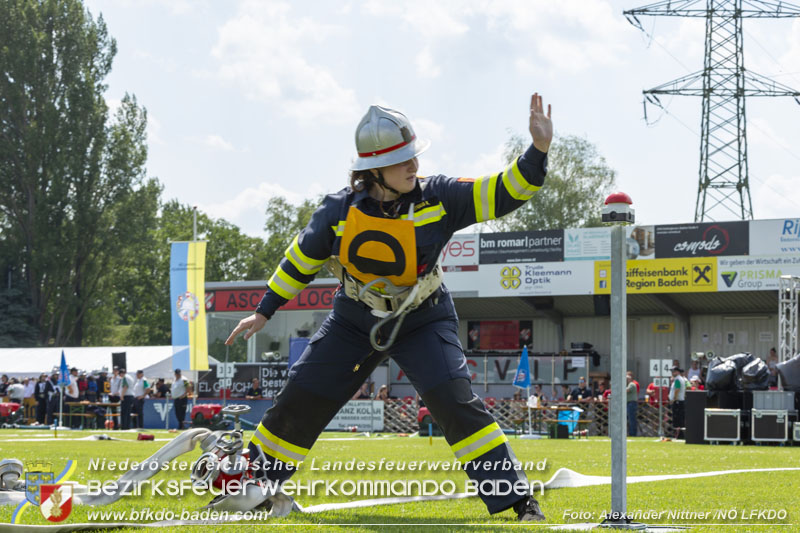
x,y
277,447
479,443
285,285
515,183
483,191
426,216
339,228
301,261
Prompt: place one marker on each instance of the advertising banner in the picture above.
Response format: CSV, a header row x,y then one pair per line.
x,y
755,272
496,369
587,244
460,254
536,279
311,298
238,377
521,247
594,244
499,334
661,275
773,237
187,304
710,239
361,415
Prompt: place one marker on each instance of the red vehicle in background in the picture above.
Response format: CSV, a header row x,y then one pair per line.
x,y
208,415
10,413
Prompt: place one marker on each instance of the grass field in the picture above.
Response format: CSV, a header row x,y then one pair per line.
x,y
776,491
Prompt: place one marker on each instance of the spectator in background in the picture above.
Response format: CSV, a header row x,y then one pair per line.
x,y
114,385
363,392
160,389
113,396
677,395
103,384
139,393
180,391
694,371
3,385
383,393
126,384
537,391
42,394
653,394
695,384
602,392
564,394
53,399
15,391
29,401
630,373
581,392
254,392
632,405
91,388
82,385
772,364
30,387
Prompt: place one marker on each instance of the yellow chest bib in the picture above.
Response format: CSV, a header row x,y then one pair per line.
x,y
374,247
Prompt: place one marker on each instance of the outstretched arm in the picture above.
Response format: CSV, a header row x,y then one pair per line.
x,y
468,200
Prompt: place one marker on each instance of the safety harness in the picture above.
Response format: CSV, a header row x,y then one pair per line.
x,y
389,302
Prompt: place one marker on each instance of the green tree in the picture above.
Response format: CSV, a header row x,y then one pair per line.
x,y
230,256
71,178
284,221
578,180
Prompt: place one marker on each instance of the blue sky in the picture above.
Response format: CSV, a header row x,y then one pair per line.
x,y
252,99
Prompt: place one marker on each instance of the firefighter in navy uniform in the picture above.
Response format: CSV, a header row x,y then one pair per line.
x,y
384,235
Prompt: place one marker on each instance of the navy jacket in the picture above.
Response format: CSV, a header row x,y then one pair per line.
x,y
442,206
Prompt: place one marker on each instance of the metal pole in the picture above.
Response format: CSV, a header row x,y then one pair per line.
x,y
166,410
660,409
617,411
485,373
194,223
530,424
225,379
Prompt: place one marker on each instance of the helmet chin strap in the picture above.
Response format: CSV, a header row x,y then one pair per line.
x,y
382,183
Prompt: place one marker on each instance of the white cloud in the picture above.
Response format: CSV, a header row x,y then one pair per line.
x,y
484,163
154,130
775,197
441,18
261,49
218,143
426,64
563,35
428,129
759,131
791,59
247,208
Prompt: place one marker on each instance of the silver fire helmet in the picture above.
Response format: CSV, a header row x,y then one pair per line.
x,y
385,137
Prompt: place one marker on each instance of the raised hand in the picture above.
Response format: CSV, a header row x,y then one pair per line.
x,y
539,124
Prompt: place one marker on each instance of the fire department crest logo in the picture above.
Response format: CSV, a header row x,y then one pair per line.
x,y
56,502
37,475
188,306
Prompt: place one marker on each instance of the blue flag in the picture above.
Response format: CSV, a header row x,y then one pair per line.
x,y
64,379
522,379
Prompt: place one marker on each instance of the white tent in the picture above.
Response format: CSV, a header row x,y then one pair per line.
x,y
156,361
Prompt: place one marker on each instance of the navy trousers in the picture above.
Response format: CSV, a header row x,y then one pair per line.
x,y
338,359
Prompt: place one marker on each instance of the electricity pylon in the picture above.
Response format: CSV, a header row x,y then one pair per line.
x,y
724,186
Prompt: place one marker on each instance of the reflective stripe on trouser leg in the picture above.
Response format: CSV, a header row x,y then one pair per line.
x,y
475,438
